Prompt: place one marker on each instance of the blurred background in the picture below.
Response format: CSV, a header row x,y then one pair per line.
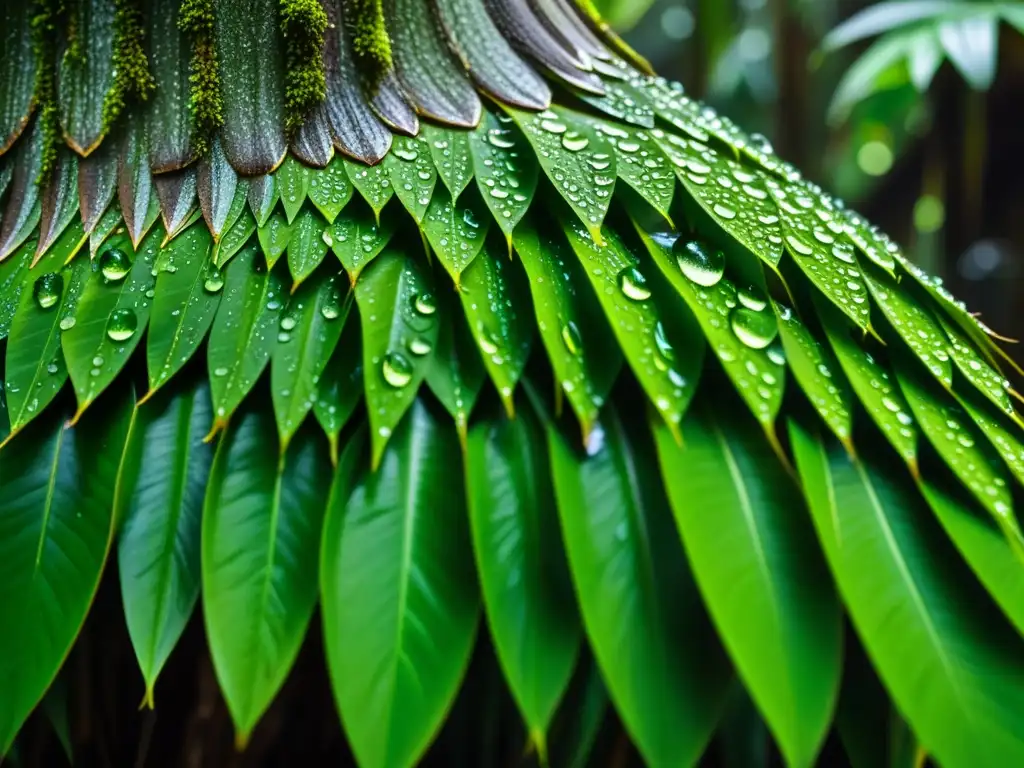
x,y
912,111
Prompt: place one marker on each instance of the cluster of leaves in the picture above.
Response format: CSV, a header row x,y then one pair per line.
x,y
255,388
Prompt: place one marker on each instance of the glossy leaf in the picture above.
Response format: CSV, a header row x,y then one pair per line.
x,y
770,598
306,246
56,519
340,387
642,164
274,237
399,323
244,331
160,491
35,370
111,318
952,665
450,151
84,79
356,237
523,574
188,292
505,169
456,373
493,294
262,517
413,175
292,182
643,617
330,190
455,231
310,330
372,183
396,661
757,373
578,161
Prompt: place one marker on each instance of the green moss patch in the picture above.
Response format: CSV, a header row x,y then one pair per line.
x,y
303,24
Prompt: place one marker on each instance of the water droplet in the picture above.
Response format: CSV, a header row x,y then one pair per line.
x,y
214,280
701,263
67,323
114,264
420,347
406,154
47,289
755,329
662,344
724,211
574,142
288,322
425,304
552,126
331,308
799,246
121,324
751,297
633,284
571,338
396,369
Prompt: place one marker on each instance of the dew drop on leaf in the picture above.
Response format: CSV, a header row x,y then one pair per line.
x,y
633,284
47,289
755,329
397,371
114,265
425,304
121,325
701,263
571,337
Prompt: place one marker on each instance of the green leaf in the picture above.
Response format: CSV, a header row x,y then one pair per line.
x,y
523,574
1006,439
260,534
770,598
57,523
952,665
234,239
984,548
813,235
292,181
505,168
111,317
13,272
398,313
456,231
963,449
642,164
372,182
491,290
642,614
730,196
456,373
160,491
263,197
570,322
755,367
311,328
578,161
817,373
412,173
274,237
306,247
35,371
186,299
450,151
872,384
330,189
244,331
341,384
976,368
222,195
356,237
401,535
915,325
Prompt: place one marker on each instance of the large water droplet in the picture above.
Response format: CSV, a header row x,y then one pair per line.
x,y
425,304
420,347
122,324
114,264
633,284
214,280
755,329
331,308
396,369
700,262
574,142
571,337
751,297
47,289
